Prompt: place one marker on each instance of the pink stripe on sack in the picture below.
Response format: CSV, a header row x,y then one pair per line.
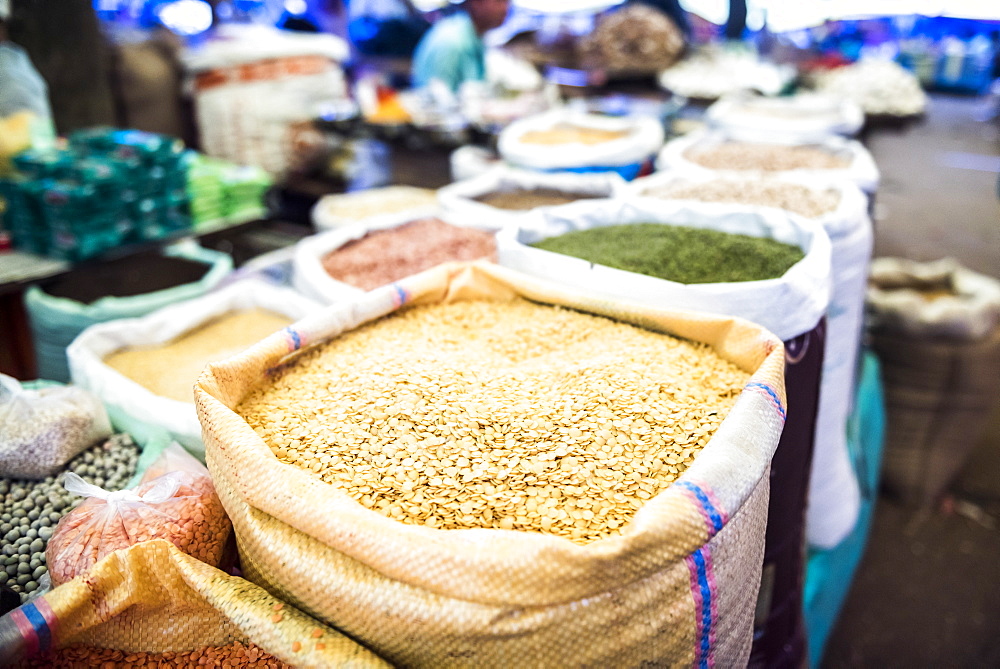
x,y
27,631
703,585
771,395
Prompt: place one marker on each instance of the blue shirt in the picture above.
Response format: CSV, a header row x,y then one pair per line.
x,y
450,51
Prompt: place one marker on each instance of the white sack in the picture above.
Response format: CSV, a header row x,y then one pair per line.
x,y
458,202
851,238
644,139
133,406
803,118
310,278
861,170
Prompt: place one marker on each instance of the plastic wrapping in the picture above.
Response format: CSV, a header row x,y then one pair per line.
x,y
175,500
42,429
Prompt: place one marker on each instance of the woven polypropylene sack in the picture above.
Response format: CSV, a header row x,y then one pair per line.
x,y
936,329
676,588
153,598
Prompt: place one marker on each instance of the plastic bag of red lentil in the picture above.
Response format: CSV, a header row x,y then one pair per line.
x,y
175,500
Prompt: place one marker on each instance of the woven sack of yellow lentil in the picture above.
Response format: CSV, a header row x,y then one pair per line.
x,y
675,586
152,598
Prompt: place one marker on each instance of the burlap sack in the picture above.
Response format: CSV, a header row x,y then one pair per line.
x,y
153,598
936,329
676,588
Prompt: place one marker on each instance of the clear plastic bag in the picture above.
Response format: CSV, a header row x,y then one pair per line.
x,y
175,500
41,429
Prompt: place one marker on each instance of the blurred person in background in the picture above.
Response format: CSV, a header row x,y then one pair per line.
x,y
673,9
452,51
25,113
389,28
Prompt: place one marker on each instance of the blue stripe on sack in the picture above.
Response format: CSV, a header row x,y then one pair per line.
x,y
706,607
400,293
770,391
37,621
296,340
705,502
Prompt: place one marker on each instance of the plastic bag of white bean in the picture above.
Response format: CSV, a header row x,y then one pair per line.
x,y
44,428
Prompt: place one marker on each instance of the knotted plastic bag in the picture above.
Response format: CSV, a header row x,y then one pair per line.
x,y
41,429
176,501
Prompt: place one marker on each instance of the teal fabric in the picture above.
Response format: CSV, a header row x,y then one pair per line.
x,y
452,52
829,573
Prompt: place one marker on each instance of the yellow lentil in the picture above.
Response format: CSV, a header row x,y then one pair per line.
x,y
507,415
170,370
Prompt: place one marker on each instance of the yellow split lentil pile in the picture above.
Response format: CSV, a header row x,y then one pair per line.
x,y
171,370
569,133
486,414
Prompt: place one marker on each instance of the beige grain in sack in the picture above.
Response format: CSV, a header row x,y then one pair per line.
x,y
677,587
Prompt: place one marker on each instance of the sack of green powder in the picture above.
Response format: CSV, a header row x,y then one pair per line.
x,y
144,369
842,209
